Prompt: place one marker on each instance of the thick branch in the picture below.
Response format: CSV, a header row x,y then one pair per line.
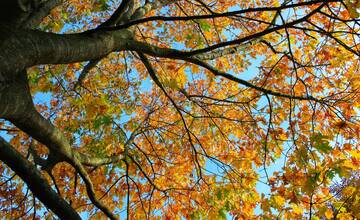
x,y
36,182
99,161
180,55
34,124
25,48
42,130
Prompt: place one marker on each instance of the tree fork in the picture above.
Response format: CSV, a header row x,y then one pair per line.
x,y
36,182
29,120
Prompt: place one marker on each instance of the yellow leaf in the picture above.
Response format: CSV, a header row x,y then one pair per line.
x,y
352,7
328,214
277,201
349,190
296,209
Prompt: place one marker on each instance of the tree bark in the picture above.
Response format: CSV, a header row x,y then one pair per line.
x,y
36,182
21,48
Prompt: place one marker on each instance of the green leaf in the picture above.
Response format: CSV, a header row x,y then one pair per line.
x,y
104,7
194,216
102,120
219,194
106,120
222,213
227,206
204,25
188,36
324,147
330,174
321,143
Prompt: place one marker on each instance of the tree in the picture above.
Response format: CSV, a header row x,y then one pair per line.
x,y
178,108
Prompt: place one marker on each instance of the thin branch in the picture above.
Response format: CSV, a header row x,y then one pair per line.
x,y
214,15
36,182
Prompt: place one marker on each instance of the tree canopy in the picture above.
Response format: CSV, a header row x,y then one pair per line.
x,y
179,109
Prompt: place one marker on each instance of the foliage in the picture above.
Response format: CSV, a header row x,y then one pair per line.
x,y
214,109
347,202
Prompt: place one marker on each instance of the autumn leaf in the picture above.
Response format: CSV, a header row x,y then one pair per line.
x,y
179,109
